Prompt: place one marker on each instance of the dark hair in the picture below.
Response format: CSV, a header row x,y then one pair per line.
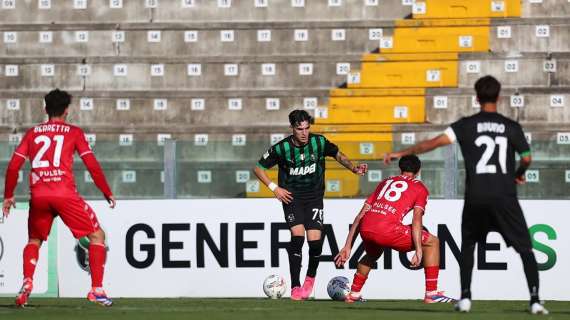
x,y
487,89
298,116
410,163
56,102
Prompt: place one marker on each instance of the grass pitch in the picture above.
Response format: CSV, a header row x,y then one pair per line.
x,y
212,309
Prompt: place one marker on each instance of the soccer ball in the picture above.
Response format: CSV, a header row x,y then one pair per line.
x,y
274,286
338,288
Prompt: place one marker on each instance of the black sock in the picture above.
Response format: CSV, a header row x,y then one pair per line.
x,y
295,259
315,249
531,273
466,268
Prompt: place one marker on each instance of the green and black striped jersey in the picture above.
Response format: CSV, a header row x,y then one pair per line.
x,y
301,169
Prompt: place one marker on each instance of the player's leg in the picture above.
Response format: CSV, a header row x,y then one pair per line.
x,y
474,226
313,213
40,220
373,252
82,221
294,218
514,229
97,258
365,264
430,248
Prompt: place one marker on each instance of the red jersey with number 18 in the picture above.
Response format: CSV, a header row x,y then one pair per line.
x,y
50,146
392,200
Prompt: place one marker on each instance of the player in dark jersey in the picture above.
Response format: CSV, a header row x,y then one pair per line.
x,y
301,188
50,147
379,223
488,142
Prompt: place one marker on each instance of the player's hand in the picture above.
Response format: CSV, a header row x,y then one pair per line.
x,y
388,157
417,259
8,204
360,169
112,202
283,195
342,256
520,180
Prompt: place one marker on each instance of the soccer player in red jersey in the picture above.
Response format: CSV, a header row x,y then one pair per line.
x,y
380,226
50,146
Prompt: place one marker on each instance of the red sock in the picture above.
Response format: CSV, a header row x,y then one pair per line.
x,y
31,255
358,282
432,274
97,256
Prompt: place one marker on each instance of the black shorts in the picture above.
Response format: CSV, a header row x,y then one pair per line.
x,y
502,215
306,212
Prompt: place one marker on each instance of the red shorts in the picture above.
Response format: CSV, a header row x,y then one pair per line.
x,y
74,212
398,238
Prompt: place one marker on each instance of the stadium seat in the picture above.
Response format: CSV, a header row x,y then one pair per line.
x,y
461,9
531,35
413,36
545,9
168,41
411,74
101,11
520,70
355,110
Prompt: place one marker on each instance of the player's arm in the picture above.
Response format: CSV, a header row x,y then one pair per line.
x,y
419,148
267,161
524,164
417,226
359,169
98,176
88,157
11,181
281,194
344,253
521,146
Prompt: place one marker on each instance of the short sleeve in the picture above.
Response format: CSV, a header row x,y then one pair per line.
x,y
23,149
453,132
269,158
81,145
518,139
421,198
331,149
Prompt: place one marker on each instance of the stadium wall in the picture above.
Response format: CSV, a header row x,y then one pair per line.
x,y
225,248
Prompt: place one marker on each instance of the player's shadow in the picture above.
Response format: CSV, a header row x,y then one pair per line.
x,y
12,306
396,309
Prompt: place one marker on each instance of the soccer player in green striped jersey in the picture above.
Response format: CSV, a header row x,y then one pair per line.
x,y
301,188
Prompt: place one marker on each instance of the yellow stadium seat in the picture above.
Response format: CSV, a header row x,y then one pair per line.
x,y
387,109
363,145
264,191
395,57
415,36
412,74
377,92
339,182
327,129
430,9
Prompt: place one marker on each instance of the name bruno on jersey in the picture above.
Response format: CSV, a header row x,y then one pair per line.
x,y
301,168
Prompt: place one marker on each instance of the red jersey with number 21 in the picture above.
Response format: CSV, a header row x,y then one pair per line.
x,y
50,146
392,200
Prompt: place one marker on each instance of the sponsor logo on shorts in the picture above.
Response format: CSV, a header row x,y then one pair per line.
x,y
291,217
